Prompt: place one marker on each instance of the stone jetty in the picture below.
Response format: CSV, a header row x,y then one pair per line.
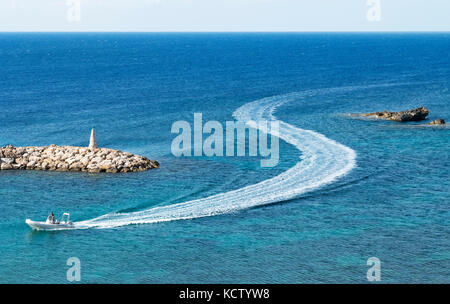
x,y
68,158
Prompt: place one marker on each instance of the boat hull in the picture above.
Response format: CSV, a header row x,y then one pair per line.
x,y
45,226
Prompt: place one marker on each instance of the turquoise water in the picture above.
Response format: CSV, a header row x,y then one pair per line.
x,y
131,87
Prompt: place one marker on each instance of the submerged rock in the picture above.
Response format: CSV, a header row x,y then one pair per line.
x,y
68,158
437,122
402,116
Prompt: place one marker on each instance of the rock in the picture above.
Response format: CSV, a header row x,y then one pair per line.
x,y
84,161
402,116
44,166
94,170
62,167
7,160
76,166
437,122
105,165
34,158
22,162
16,166
9,153
96,160
5,166
31,164
71,160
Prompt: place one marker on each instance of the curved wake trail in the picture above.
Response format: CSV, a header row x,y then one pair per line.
x,y
323,161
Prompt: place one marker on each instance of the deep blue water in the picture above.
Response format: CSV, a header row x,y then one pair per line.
x,y
131,87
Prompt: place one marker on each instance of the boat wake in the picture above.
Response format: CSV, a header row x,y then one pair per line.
x,y
322,161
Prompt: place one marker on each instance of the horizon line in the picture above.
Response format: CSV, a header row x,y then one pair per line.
x,y
275,31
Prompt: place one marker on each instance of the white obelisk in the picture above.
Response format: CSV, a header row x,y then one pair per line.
x,y
93,140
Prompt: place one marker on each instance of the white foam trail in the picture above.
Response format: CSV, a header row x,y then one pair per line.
x,y
322,161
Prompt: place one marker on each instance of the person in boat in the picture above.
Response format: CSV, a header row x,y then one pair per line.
x,y
51,218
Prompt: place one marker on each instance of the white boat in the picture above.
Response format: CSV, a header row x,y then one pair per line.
x,y
62,224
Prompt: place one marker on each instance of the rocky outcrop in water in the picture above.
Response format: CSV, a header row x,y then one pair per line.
x,y
437,122
402,116
68,158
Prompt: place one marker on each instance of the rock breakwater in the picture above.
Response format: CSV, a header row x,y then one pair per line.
x,y
69,158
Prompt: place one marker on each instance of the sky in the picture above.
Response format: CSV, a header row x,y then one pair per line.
x,y
224,15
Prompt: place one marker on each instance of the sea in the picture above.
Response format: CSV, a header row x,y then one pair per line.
x,y
345,188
